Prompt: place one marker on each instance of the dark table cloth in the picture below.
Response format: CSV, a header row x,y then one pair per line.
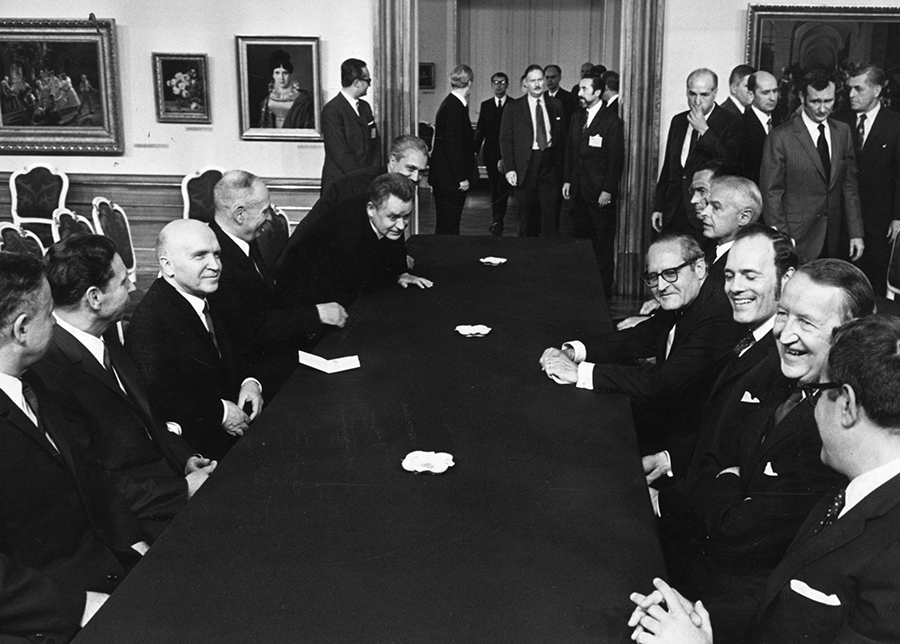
x,y
310,530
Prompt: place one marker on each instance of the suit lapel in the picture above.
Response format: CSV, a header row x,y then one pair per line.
x,y
131,380
193,320
837,149
807,144
16,417
237,256
81,358
680,128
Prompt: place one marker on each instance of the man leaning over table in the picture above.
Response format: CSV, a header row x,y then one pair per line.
x,y
690,338
840,579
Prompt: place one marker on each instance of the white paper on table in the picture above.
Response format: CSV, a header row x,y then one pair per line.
x,y
328,366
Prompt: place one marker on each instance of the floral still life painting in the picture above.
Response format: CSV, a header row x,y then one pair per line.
x,y
182,88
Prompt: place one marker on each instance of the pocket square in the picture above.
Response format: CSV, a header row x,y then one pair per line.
x,y
801,588
769,471
748,398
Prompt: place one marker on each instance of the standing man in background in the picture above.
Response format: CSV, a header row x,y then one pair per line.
x,y
487,132
569,100
740,96
757,122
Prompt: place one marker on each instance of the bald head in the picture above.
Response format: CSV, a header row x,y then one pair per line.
x,y
188,254
764,89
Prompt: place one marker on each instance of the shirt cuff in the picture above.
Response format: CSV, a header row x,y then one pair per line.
x,y
174,427
585,376
258,383
578,347
668,463
224,412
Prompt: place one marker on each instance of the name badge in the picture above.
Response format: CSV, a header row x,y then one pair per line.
x,y
595,141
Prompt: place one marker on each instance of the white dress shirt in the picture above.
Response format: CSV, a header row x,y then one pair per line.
x,y
864,484
871,115
763,117
813,128
532,101
354,102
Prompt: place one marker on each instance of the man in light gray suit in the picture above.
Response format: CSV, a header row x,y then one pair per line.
x,y
808,177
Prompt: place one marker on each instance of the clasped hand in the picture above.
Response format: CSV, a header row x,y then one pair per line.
x,y
559,367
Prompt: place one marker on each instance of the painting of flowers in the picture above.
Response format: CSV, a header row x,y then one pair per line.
x,y
182,88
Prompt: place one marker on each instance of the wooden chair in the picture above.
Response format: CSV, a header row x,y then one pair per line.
x,y
35,192
65,223
16,240
197,193
273,238
111,221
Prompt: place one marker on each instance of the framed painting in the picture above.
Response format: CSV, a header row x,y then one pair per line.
x,y
182,88
278,80
787,40
60,87
426,75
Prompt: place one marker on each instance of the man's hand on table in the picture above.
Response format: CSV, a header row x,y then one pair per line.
x,y
198,477
251,392
559,367
681,622
406,279
655,466
197,462
332,313
236,421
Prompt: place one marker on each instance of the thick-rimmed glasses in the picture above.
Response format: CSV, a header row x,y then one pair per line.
x,y
669,274
815,390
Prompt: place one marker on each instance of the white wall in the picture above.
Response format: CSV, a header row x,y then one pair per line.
x,y
437,44
344,28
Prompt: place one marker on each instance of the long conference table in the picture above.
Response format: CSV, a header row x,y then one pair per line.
x,y
311,531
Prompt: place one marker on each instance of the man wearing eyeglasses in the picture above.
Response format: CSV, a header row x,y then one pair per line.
x,y
725,531
689,339
487,132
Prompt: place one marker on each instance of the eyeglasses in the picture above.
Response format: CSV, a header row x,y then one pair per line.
x,y
670,274
367,80
814,391
499,81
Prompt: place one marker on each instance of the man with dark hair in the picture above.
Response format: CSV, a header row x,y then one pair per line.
x,y
595,158
838,580
452,170
740,97
569,100
93,378
876,133
357,248
808,177
531,144
588,69
689,338
703,133
610,95
348,126
758,120
487,132
64,539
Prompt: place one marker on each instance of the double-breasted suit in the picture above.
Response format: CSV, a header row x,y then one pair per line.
x,y
452,162
798,199
351,139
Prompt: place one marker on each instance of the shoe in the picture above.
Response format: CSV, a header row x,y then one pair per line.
x,y
496,229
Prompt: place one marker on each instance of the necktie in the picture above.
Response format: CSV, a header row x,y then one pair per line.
x,y
259,262
769,126
540,125
107,363
32,401
860,132
745,343
785,408
822,147
694,137
833,510
209,325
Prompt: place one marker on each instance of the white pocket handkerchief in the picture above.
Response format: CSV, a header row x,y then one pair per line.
x,y
769,471
801,588
748,398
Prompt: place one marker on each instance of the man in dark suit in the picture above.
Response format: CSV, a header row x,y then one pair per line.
x,y
808,177
487,132
66,541
348,126
689,338
876,132
731,204
610,95
595,157
569,100
740,95
92,377
758,120
725,531
359,246
838,581
702,134
531,144
264,332
585,71
452,169
181,347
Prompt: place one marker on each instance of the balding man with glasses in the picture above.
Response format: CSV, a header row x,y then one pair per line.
x,y
681,348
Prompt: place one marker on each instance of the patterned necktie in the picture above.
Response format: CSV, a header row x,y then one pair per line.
x,y
745,343
822,147
860,132
540,125
769,126
209,326
833,510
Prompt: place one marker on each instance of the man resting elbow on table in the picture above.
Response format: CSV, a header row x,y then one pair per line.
x,y
689,339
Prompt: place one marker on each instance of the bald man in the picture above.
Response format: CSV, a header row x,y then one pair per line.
x,y
181,346
757,121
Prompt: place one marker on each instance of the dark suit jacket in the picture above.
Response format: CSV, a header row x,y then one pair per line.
x,y
453,157
856,560
487,132
61,534
613,105
340,258
517,135
569,102
593,169
799,199
721,142
144,460
753,138
351,141
878,164
186,376
729,105
264,333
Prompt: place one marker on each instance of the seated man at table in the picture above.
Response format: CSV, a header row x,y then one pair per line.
x,y
182,349
92,377
265,333
408,156
840,579
65,539
725,531
690,339
358,247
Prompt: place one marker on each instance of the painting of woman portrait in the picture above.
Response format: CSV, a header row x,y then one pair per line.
x,y
286,105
